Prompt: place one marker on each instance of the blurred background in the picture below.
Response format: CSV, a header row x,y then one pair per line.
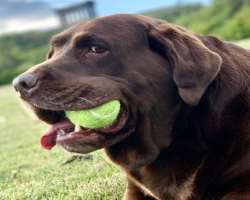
x,y
26,171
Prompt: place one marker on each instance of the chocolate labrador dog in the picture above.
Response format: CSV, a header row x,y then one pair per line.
x,y
183,132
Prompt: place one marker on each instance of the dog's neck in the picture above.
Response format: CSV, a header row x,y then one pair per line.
x,y
182,162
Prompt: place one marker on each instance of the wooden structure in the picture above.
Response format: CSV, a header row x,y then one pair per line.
x,y
76,13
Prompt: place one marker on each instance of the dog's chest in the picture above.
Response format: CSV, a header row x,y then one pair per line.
x,y
160,188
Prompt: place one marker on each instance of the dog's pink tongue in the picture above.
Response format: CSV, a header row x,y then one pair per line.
x,y
48,139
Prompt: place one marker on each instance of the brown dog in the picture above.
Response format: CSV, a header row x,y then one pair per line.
x,y
184,128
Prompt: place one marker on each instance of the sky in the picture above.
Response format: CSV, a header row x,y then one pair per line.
x,y
23,15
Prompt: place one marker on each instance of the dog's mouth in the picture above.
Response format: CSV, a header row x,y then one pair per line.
x,y
77,138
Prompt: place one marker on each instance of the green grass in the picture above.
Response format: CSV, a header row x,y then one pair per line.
x,y
29,172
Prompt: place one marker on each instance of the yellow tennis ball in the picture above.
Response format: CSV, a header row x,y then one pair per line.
x,y
98,117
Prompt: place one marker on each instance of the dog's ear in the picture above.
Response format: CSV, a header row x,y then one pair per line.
x,y
194,66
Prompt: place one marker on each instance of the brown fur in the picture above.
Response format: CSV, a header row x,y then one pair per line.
x,y
188,132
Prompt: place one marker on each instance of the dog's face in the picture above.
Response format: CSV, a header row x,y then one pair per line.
x,y
147,64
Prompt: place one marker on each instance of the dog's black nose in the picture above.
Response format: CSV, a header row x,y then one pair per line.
x,y
25,82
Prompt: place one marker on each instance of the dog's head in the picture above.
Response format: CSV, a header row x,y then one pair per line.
x,y
149,65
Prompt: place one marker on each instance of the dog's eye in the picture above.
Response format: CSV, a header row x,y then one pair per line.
x,y
96,49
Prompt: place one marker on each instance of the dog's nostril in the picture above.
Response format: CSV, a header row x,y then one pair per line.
x,y
25,82
25,85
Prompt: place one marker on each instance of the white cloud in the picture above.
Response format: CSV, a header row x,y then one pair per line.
x,y
24,24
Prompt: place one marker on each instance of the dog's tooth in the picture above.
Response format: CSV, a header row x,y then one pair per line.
x,y
77,128
61,132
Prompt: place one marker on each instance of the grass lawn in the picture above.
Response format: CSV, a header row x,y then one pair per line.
x,y
28,172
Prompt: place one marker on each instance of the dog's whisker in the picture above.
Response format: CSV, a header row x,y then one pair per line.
x,y
86,100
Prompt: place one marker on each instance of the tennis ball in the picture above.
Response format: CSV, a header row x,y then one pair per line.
x,y
97,117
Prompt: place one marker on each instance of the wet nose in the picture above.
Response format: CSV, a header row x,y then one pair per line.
x,y
25,82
